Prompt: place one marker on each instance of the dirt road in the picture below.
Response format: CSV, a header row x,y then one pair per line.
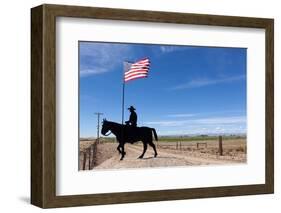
x,y
164,159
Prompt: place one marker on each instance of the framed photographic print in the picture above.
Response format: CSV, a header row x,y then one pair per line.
x,y
136,106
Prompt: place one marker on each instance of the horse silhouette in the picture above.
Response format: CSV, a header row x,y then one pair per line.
x,y
128,134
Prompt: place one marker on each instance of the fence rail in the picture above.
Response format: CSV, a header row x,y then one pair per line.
x,y
181,145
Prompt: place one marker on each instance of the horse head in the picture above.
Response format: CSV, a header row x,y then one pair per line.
x,y
105,127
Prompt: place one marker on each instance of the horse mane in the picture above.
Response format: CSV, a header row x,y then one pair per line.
x,y
115,123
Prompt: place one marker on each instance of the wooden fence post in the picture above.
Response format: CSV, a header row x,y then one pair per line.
x,y
220,146
89,150
84,160
93,149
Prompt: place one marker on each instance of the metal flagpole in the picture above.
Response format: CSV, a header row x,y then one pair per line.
x,y
123,89
125,67
123,100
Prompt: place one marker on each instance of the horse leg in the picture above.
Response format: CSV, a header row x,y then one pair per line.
x,y
144,149
154,148
122,151
118,148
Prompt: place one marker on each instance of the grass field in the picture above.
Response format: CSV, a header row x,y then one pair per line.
x,y
197,138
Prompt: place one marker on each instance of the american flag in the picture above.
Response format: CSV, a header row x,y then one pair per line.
x,y
136,70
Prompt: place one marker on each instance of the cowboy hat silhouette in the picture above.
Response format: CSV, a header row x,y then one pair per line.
x,y
131,108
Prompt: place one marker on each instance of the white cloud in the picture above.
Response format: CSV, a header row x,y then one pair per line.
x,y
206,82
181,115
166,123
222,120
168,49
205,121
173,48
98,58
86,72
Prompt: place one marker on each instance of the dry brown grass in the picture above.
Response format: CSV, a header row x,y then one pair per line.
x,y
85,144
235,149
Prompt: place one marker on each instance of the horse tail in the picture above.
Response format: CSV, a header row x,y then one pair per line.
x,y
155,134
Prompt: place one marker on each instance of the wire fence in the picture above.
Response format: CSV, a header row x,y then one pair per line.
x,y
88,156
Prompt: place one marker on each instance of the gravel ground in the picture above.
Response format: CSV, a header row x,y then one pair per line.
x,y
107,157
165,158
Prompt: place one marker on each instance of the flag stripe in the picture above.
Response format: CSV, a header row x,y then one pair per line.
x,y
143,60
135,73
137,70
139,66
141,63
132,75
135,77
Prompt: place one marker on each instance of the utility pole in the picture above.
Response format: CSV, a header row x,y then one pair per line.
x,y
98,126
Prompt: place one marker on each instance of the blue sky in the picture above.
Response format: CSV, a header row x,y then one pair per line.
x,y
190,90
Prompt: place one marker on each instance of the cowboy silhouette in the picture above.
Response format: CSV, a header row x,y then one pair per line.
x,y
133,117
